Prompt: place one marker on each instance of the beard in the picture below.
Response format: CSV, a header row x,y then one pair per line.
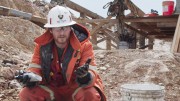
x,y
61,41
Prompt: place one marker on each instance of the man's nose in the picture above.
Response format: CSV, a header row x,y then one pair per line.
x,y
61,32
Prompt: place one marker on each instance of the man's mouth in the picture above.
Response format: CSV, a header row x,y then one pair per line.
x,y
61,37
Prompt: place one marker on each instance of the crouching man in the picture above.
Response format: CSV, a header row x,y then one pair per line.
x,y
63,64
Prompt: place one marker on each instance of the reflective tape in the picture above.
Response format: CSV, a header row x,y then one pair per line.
x,y
94,68
75,92
51,93
33,65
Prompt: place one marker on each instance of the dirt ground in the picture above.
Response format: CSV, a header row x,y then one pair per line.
x,y
116,67
120,67
16,46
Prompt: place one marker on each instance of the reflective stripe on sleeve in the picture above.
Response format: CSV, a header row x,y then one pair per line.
x,y
51,93
93,67
33,65
75,92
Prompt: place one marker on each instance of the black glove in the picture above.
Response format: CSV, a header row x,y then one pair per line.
x,y
24,79
82,71
83,76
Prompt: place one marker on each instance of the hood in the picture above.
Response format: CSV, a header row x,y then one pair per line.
x,y
81,32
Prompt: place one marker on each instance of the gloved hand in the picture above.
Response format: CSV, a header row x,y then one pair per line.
x,y
83,76
82,71
27,79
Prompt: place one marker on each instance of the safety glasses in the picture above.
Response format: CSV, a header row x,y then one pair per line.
x,y
58,29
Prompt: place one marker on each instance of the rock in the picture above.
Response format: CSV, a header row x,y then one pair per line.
x,y
2,96
107,65
5,61
101,56
7,73
14,84
102,68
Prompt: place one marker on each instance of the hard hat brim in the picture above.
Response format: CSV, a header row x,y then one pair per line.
x,y
59,25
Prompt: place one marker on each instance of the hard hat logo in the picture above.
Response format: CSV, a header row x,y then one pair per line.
x,y
60,17
61,20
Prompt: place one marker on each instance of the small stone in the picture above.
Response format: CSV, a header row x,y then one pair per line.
x,y
101,56
103,68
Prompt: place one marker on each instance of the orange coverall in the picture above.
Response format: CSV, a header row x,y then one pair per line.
x,y
60,84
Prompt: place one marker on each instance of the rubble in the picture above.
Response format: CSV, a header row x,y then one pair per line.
x,y
139,66
24,5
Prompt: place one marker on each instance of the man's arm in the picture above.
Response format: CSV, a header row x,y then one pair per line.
x,y
90,77
35,66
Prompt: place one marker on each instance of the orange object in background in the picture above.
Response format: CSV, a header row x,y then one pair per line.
x,y
168,7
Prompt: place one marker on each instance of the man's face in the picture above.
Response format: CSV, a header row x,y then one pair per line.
x,y
61,35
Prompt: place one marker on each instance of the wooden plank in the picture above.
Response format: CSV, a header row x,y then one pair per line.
x,y
144,27
115,34
151,43
4,10
114,46
166,19
82,15
38,19
111,36
99,26
108,43
164,24
106,26
94,39
164,34
134,42
141,41
148,28
101,40
81,9
96,20
134,9
12,12
176,39
95,47
138,31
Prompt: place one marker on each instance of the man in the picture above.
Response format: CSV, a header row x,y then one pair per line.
x,y
62,67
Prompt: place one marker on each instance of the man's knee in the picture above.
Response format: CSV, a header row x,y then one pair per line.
x,y
24,93
32,94
87,94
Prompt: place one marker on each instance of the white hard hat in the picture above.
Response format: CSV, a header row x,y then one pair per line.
x,y
59,16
